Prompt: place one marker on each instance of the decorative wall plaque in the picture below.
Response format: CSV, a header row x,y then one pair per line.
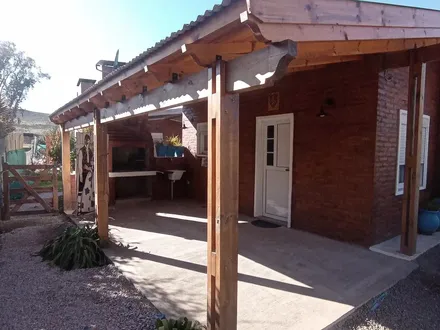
x,y
273,101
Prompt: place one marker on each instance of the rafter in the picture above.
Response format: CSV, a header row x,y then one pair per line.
x,y
255,70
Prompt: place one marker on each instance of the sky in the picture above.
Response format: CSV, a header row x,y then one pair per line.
x,y
67,38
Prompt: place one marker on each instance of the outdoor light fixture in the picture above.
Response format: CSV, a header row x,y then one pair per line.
x,y
322,113
328,102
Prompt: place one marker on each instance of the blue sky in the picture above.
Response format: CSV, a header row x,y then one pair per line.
x,y
68,37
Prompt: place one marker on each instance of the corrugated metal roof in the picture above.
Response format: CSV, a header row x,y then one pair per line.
x,y
187,27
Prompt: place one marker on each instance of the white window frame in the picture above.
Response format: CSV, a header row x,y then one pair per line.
x,y
403,115
202,131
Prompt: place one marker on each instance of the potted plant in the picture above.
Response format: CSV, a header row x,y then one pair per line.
x,y
176,146
428,221
161,149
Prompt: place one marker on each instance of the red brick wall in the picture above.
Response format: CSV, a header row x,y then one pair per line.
x,y
166,126
333,156
344,168
393,94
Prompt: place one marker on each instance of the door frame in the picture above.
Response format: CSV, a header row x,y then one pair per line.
x,y
259,166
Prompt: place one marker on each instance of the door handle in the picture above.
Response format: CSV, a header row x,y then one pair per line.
x,y
287,169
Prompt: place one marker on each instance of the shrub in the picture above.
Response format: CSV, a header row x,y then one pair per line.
x,y
76,247
173,140
181,324
55,149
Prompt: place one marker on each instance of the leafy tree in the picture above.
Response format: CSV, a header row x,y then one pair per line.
x,y
6,120
55,149
18,74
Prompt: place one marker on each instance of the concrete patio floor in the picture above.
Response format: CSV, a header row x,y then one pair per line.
x,y
288,279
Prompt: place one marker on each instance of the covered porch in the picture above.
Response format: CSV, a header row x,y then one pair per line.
x,y
287,279
239,47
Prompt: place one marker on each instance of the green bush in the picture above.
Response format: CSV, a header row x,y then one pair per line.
x,y
76,247
180,324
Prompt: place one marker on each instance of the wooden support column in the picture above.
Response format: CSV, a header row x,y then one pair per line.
x,y
101,175
223,138
410,206
68,200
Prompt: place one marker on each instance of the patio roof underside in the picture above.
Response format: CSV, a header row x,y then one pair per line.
x,y
323,32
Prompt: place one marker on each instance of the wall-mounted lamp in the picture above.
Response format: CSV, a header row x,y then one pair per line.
x,y
328,102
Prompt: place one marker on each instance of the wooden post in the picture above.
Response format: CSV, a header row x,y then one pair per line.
x,y
55,187
101,175
223,138
410,206
6,203
68,202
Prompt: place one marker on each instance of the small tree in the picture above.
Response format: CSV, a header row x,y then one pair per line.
x,y
18,75
55,149
6,120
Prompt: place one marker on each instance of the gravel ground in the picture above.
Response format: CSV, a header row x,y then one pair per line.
x,y
413,303
34,295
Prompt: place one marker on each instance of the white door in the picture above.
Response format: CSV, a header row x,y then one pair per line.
x,y
275,158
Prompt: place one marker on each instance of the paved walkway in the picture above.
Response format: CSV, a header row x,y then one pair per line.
x,y
288,279
412,304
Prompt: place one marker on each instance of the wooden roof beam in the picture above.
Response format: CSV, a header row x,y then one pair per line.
x,y
255,70
205,54
297,63
317,32
88,106
227,17
310,50
98,100
342,12
402,59
241,48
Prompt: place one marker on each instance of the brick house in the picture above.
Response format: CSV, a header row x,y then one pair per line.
x,y
319,115
344,164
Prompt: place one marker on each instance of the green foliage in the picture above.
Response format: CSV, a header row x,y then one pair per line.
x,y
76,247
181,324
55,149
173,141
6,119
18,75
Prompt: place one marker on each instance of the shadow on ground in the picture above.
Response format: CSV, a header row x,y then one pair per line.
x,y
291,275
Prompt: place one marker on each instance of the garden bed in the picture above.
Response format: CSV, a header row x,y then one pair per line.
x,y
35,295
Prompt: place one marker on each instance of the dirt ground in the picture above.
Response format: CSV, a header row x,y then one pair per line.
x,y
39,296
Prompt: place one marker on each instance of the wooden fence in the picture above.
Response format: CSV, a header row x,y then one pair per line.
x,y
22,185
